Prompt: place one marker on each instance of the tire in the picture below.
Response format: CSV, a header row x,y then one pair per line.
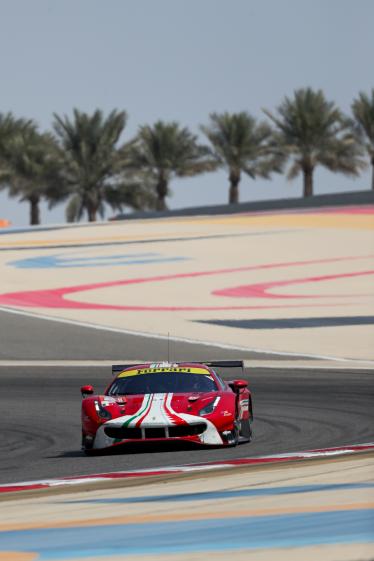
x,y
234,437
246,430
87,444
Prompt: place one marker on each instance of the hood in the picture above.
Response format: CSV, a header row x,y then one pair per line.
x,y
180,402
162,408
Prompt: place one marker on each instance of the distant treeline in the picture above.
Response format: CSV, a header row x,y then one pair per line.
x,y
83,163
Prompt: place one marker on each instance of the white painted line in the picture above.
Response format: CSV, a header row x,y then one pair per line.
x,y
165,337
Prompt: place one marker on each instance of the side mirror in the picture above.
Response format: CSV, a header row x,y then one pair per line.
x,y
237,385
87,390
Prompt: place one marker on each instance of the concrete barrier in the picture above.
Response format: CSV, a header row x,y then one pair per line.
x,y
317,201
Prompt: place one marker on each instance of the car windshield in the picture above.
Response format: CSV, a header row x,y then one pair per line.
x,y
164,382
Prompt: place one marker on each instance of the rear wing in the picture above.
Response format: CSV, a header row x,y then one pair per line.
x,y
221,365
117,368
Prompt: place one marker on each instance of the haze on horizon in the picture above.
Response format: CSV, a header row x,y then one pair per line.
x,y
179,60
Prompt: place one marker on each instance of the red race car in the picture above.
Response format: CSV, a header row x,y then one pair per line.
x,y
166,402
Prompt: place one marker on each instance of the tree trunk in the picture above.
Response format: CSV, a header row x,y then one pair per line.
x,y
308,182
91,211
34,210
234,178
92,206
162,191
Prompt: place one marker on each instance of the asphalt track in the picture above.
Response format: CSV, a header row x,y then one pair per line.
x,y
40,406
24,337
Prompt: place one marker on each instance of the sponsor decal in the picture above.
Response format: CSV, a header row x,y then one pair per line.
x,y
166,370
244,405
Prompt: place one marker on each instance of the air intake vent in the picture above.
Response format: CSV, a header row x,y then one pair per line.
x,y
149,433
186,430
123,433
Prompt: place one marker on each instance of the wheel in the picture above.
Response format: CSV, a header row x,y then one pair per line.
x,y
246,429
232,437
87,443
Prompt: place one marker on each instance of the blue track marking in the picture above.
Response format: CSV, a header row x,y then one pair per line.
x,y
232,494
338,527
71,261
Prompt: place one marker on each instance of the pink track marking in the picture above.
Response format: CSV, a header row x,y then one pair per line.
x,y
260,290
351,209
56,298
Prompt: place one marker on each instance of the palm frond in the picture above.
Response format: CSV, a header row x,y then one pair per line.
x,y
241,143
363,112
165,150
90,155
311,131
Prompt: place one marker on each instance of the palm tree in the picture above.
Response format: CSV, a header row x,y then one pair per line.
x,y
313,131
165,150
91,162
10,127
363,111
135,192
32,168
242,145
125,191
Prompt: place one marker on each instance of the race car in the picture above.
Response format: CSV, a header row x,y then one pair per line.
x,y
167,401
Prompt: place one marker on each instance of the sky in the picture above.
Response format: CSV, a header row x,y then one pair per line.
x,y
182,60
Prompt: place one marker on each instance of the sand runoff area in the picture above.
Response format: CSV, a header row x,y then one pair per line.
x,y
297,282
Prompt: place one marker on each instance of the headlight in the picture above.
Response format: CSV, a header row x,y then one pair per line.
x,y
103,413
209,407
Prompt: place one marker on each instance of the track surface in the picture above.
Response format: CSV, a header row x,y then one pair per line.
x,y
31,338
40,407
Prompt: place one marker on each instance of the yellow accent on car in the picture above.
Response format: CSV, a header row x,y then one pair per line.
x,y
163,369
